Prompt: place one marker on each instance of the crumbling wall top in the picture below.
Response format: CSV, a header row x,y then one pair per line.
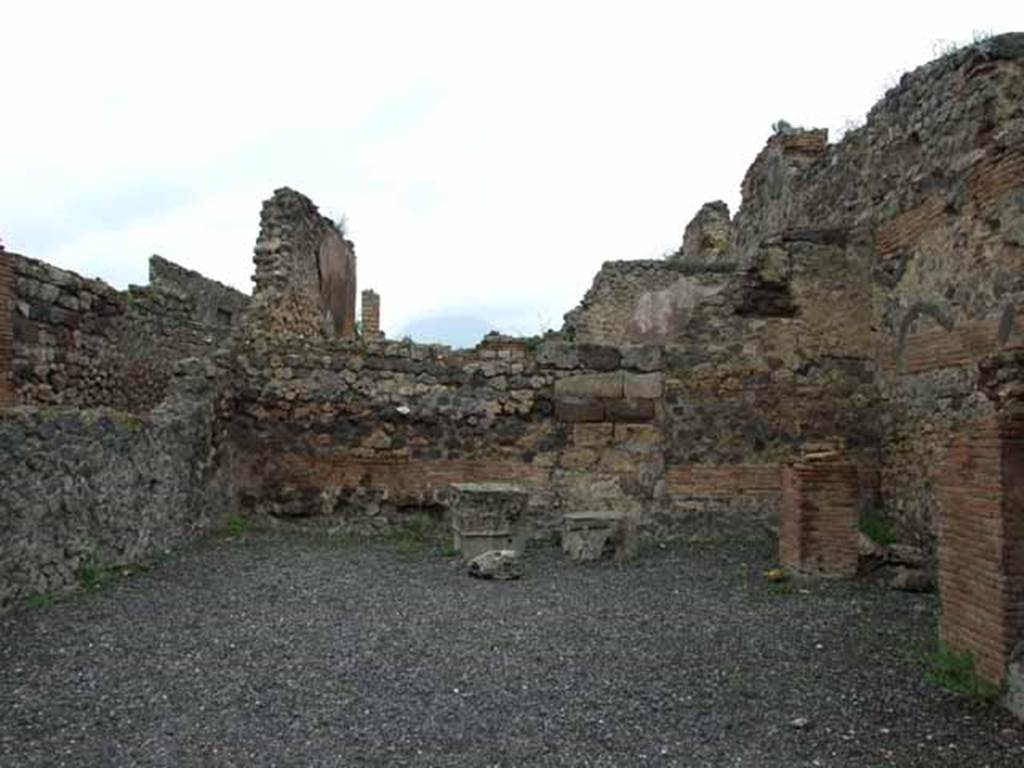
x,y
305,279
211,302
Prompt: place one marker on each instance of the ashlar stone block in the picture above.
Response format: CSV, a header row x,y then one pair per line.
x,y
488,517
588,536
642,385
590,385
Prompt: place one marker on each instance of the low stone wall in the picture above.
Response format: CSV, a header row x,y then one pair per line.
x,y
104,488
353,435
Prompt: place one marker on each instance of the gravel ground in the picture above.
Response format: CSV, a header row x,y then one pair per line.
x,y
276,649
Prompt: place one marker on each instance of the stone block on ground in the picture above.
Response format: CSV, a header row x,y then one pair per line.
x,y
488,516
588,536
906,554
500,564
912,580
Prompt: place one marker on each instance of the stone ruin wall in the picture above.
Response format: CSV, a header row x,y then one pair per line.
x,y
211,304
305,279
920,215
895,253
850,310
760,364
109,418
101,488
79,342
688,440
7,287
356,438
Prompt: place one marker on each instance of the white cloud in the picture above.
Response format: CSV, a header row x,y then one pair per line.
x,y
489,158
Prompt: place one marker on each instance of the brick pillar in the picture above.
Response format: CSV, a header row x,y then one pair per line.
x,y
6,329
981,543
371,315
819,517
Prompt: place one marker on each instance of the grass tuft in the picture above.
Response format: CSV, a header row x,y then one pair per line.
x,y
236,525
91,575
39,600
954,670
416,535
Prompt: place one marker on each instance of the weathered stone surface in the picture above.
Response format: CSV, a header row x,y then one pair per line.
x,y
640,438
642,357
79,343
599,357
1014,699
707,237
336,267
8,305
912,580
488,516
629,410
103,488
588,536
593,385
305,281
642,385
558,354
579,458
500,564
906,554
576,411
591,435
869,550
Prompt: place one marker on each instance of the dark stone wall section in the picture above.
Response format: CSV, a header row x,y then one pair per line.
x,y
6,329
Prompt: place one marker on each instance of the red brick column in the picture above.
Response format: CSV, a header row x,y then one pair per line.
x,y
371,315
981,543
819,518
6,329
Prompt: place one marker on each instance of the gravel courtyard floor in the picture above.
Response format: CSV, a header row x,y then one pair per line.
x,y
278,649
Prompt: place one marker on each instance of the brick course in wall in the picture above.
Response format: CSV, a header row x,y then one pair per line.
x,y
981,543
936,348
404,478
735,480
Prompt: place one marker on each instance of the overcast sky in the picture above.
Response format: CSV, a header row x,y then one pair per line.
x,y
488,156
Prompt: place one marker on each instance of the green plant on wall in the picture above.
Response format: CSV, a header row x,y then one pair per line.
x,y
874,525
